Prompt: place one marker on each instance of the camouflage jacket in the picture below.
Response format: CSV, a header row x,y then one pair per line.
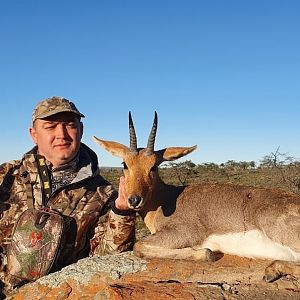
x,y
87,199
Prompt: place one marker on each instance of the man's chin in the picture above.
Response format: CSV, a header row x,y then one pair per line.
x,y
64,158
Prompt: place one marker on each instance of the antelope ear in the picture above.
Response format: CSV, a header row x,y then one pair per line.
x,y
173,153
114,148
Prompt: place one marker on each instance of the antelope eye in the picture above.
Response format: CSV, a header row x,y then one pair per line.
x,y
154,168
124,165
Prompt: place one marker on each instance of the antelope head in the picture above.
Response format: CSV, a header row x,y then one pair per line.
x,y
141,164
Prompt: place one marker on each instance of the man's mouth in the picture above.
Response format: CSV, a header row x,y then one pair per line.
x,y
62,146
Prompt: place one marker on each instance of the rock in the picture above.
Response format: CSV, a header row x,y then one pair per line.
x,y
125,276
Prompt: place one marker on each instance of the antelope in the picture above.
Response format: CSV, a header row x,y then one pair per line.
x,y
200,220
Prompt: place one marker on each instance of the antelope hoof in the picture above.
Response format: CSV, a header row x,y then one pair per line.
x,y
210,256
204,254
272,272
271,277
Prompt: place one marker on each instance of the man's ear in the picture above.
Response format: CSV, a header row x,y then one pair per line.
x,y
81,129
33,134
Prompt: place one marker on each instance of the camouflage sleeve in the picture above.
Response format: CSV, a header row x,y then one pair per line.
x,y
6,180
113,234
4,168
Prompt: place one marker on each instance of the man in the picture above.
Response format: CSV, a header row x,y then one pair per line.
x,y
103,222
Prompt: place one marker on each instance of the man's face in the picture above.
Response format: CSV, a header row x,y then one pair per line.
x,y
58,137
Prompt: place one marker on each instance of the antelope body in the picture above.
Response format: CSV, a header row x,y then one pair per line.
x,y
193,222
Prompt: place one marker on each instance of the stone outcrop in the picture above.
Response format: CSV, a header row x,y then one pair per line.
x,y
126,276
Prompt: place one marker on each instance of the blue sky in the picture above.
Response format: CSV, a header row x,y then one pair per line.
x,y
224,75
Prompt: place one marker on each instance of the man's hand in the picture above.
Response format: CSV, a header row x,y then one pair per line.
x,y
121,202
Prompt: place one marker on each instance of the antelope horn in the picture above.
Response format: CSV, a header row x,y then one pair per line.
x,y
151,139
133,144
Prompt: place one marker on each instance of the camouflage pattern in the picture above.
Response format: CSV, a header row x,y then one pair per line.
x,y
33,249
111,238
52,106
96,229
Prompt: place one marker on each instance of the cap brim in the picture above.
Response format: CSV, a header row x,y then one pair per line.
x,y
55,112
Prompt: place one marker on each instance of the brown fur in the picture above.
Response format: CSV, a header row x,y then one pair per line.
x,y
182,218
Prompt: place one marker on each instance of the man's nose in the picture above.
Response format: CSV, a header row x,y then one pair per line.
x,y
61,130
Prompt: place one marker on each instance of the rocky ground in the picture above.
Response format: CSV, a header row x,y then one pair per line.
x,y
126,276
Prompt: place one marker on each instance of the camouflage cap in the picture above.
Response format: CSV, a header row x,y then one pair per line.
x,y
52,106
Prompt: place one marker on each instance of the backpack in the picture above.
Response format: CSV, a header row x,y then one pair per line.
x,y
40,235
35,243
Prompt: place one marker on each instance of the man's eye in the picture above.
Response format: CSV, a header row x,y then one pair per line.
x,y
71,125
